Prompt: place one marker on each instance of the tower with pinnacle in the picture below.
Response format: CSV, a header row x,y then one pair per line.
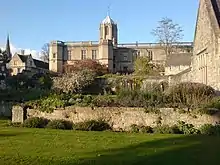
x,y
108,40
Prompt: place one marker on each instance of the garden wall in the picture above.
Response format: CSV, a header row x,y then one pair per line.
x,y
123,118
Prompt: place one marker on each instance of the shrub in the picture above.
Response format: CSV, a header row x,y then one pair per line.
x,y
104,101
187,128
48,104
134,128
59,124
165,129
190,94
88,64
142,129
87,100
74,82
207,111
139,98
11,124
210,130
35,122
92,125
213,104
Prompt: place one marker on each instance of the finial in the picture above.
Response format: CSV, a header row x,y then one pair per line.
x,y
108,13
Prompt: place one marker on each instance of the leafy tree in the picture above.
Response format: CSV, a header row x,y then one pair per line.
x,y
43,81
19,81
87,64
167,33
142,65
73,82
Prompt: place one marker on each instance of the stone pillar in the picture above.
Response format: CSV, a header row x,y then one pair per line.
x,y
18,114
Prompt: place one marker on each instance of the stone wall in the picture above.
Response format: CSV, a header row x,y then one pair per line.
x,y
123,118
174,70
185,76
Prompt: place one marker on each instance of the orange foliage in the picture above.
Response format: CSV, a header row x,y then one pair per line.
x,y
88,64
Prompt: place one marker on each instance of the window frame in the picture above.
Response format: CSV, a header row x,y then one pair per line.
x,y
83,54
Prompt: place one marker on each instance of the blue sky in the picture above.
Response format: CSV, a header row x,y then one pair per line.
x,y
31,23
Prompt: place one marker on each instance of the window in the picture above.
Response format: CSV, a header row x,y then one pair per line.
x,y
19,70
114,66
125,58
54,55
106,30
15,62
30,63
113,58
69,55
150,55
83,54
3,68
94,53
125,68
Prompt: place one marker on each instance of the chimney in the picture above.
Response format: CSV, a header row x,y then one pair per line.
x,y
22,51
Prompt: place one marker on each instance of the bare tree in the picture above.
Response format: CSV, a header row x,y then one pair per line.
x,y
45,52
167,33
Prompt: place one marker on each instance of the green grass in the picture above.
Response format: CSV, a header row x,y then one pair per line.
x,y
21,146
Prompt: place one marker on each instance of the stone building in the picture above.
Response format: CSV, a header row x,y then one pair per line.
x,y
26,64
205,64
117,57
177,63
206,53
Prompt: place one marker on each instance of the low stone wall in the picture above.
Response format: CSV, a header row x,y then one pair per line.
x,y
119,118
184,76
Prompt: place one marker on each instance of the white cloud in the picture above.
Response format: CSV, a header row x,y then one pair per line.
x,y
35,54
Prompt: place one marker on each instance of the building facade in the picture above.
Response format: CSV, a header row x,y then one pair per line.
x,y
206,53
177,63
117,57
26,64
205,61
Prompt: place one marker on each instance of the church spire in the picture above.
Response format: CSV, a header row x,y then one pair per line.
x,y
7,48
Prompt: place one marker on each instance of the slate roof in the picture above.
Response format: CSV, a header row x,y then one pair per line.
x,y
38,63
108,20
23,57
41,64
179,59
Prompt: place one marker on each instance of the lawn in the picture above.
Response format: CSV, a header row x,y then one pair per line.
x,y
21,146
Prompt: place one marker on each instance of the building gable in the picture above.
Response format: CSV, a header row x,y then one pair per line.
x,y
16,60
30,62
206,27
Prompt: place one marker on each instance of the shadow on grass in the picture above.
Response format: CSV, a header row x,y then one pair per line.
x,y
9,134
188,150
184,150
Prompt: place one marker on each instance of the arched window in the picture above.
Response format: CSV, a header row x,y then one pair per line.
x,y
106,30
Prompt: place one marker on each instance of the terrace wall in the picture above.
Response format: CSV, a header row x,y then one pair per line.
x,y
121,118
